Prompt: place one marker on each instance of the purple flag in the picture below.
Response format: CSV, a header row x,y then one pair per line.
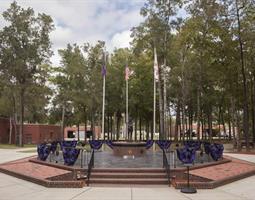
x,y
104,70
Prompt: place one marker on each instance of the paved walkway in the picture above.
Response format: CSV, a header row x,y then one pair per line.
x,y
7,155
12,188
246,157
226,170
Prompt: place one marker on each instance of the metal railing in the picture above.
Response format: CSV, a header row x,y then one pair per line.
x,y
166,165
90,165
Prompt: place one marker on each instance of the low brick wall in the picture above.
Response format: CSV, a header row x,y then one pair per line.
x,y
211,184
44,182
57,165
204,183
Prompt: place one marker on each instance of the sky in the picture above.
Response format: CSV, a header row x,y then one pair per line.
x,y
80,21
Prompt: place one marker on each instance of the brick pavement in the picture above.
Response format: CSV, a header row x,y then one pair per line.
x,y
223,171
23,166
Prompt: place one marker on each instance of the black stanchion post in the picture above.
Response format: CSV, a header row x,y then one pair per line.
x,y
188,189
81,158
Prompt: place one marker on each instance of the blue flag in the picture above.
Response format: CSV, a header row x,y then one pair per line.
x,y
104,70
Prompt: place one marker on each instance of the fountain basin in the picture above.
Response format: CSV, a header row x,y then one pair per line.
x,y
129,148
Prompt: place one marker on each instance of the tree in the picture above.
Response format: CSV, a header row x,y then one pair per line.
x,y
149,34
24,47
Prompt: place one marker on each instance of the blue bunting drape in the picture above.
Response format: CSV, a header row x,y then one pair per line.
x,y
53,146
163,144
192,144
149,144
109,143
43,151
96,144
207,147
186,155
70,144
70,155
216,151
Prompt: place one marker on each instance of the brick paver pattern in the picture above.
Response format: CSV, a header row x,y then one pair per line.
x,y
23,166
222,171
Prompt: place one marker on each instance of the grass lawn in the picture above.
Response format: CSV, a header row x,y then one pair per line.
x,y
13,146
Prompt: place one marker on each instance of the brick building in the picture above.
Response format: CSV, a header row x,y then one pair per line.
x,y
37,133
33,133
72,132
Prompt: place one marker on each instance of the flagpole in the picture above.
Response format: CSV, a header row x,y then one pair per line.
x,y
154,105
154,94
126,106
103,108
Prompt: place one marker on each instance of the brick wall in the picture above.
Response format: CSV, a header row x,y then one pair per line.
x,y
4,130
33,133
37,133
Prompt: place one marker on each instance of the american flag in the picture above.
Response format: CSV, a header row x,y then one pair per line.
x,y
156,74
127,72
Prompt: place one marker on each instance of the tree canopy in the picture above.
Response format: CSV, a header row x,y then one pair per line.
x,y
206,72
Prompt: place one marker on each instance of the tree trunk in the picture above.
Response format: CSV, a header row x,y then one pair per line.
x,y
245,95
63,122
190,123
85,126
177,122
136,128
229,125
198,113
203,127
108,127
183,123
111,127
223,123
22,93
253,109
15,126
140,128
118,124
170,128
210,125
238,131
147,130
92,126
233,111
219,120
10,132
152,137
15,120
78,126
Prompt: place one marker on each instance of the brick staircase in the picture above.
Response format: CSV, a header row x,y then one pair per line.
x,y
128,176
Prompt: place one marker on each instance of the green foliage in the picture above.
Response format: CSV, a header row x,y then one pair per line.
x,y
199,58
24,47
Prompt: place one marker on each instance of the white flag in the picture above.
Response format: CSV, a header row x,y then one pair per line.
x,y
156,74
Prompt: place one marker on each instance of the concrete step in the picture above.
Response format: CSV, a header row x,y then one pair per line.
x,y
128,175
128,170
145,181
129,185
